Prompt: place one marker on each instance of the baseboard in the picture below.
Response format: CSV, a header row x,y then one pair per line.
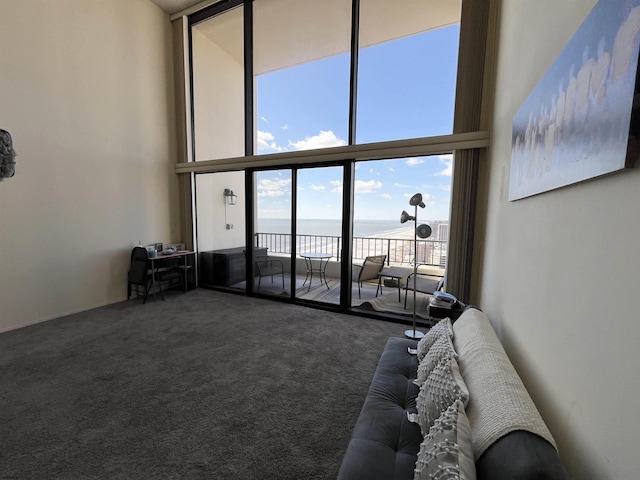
x,y
53,317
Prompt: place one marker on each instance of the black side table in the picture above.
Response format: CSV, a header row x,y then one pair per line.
x,y
392,276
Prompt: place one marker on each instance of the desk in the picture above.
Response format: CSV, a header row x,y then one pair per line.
x,y
309,257
396,274
160,258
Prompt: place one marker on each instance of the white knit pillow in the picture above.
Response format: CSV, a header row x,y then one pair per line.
x,y
443,327
441,349
447,451
443,386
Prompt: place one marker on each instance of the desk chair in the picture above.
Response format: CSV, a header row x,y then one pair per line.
x,y
139,273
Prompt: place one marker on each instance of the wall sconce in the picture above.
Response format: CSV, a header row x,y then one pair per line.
x,y
231,197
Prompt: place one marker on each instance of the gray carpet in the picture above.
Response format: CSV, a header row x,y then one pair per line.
x,y
203,385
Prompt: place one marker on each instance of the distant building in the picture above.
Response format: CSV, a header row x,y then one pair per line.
x,y
443,232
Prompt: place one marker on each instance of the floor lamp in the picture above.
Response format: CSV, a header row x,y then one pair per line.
x,y
422,231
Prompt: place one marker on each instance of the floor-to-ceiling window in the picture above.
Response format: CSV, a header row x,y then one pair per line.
x,y
322,75
407,65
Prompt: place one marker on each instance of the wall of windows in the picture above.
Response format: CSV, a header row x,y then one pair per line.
x,y
325,75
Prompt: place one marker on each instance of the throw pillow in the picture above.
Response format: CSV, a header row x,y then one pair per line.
x,y
443,327
441,349
443,386
447,451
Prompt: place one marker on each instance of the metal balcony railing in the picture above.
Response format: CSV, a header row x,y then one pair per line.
x,y
399,251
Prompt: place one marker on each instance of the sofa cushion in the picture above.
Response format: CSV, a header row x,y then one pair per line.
x,y
441,389
446,451
443,327
442,349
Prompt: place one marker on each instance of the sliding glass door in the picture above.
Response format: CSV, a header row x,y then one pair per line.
x,y
319,232
297,236
273,264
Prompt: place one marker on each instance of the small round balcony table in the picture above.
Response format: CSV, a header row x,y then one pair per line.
x,y
323,259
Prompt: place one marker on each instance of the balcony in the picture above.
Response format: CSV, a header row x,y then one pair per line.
x,y
431,258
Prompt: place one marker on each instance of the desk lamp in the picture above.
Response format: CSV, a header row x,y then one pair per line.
x,y
422,231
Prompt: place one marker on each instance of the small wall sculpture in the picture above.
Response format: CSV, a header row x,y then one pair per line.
x,y
7,156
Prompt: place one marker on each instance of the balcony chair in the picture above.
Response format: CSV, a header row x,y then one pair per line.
x,y
266,266
425,283
369,270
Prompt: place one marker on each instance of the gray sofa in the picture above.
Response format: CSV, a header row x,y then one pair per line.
x,y
384,443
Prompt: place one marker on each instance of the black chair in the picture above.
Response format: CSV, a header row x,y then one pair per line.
x,y
170,272
139,273
266,266
425,283
369,270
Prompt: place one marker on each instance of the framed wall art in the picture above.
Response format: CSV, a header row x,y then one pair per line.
x,y
579,122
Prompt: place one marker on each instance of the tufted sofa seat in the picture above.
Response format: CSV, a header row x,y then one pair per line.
x,y
383,433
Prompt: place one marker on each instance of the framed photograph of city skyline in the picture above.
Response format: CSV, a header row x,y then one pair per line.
x,y
579,122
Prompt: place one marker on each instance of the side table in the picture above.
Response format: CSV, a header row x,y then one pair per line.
x,y
394,275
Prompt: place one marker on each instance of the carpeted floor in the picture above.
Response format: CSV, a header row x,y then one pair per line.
x,y
203,385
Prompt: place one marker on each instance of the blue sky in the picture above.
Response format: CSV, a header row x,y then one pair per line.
x,y
406,89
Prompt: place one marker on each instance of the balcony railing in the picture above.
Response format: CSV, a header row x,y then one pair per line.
x,y
399,251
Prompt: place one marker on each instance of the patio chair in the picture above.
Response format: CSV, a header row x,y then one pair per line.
x,y
425,283
266,266
369,270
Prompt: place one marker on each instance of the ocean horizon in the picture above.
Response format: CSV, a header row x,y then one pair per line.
x,y
361,228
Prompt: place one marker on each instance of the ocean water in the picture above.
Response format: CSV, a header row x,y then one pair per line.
x,y
361,228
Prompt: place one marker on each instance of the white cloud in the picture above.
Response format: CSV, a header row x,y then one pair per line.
x,y
427,198
264,119
266,142
273,187
391,169
285,127
317,188
401,185
447,161
335,183
367,187
385,195
325,139
414,161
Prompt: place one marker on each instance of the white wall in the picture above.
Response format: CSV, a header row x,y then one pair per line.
x,y
86,91
212,215
559,271
218,92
